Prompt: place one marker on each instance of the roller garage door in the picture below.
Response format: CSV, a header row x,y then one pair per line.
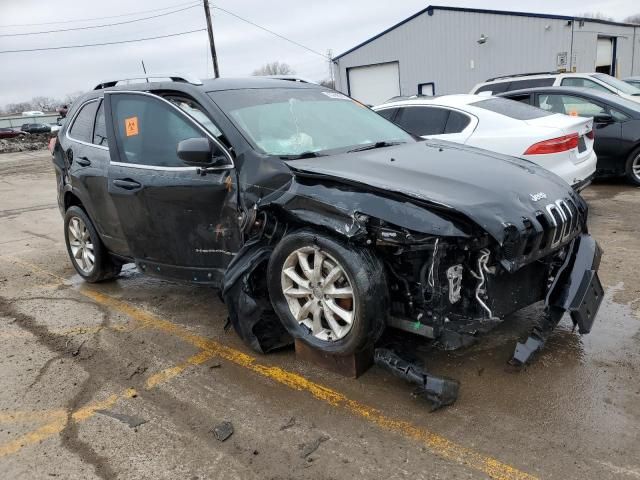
x,y
374,84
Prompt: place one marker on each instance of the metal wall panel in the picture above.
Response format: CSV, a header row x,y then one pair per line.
x,y
443,49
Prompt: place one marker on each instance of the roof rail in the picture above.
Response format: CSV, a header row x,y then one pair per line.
x,y
291,78
174,77
521,75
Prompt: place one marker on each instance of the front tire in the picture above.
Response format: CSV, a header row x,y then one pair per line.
x,y
328,294
633,167
86,251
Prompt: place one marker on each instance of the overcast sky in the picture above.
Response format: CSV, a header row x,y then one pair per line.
x,y
330,24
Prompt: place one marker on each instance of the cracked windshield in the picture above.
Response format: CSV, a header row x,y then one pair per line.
x,y
293,122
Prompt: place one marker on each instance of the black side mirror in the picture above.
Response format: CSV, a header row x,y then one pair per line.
x,y
603,118
199,153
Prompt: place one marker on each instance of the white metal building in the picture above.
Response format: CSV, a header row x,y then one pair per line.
x,y
442,50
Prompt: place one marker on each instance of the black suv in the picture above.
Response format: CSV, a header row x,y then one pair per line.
x,y
316,217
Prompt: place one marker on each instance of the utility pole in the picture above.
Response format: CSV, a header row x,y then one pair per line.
x,y
214,57
330,57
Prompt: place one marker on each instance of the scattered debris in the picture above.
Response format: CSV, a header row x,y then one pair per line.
x,y
290,423
23,143
131,421
215,365
310,447
138,371
439,391
222,431
76,352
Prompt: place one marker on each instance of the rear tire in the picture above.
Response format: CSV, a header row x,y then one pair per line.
x,y
632,168
87,253
328,294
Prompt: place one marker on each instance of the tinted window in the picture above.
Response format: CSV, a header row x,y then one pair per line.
x,y
531,83
193,109
149,130
388,113
423,120
618,115
100,130
569,105
457,122
524,98
82,128
499,87
584,83
509,108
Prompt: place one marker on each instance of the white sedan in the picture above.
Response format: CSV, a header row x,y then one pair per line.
x,y
560,143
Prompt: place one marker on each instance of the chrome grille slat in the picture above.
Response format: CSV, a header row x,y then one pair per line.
x,y
564,217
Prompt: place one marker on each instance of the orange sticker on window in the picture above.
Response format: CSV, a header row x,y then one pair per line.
x,y
131,126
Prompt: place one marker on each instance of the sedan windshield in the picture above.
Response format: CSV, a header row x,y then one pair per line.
x,y
306,122
624,87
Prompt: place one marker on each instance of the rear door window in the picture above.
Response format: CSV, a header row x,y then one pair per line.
x,y
523,98
82,128
456,122
583,83
423,120
569,105
499,87
531,83
509,108
388,113
100,130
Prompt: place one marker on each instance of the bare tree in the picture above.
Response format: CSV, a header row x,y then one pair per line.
x,y
597,16
274,68
45,104
18,107
69,98
633,18
327,82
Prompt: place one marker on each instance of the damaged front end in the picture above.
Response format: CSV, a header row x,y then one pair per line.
x,y
447,278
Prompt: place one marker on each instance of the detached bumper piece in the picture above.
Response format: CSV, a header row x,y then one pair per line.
x,y
439,391
576,289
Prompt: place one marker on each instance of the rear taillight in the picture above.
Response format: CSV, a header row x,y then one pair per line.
x,y
555,145
52,144
590,134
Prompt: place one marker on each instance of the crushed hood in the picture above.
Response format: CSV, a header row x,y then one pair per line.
x,y
486,187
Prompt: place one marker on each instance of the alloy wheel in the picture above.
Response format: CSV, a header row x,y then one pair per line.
x,y
635,167
319,293
81,245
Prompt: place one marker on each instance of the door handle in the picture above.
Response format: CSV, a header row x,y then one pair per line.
x,y
83,161
127,184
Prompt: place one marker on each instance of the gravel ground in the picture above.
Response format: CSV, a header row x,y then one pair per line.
x,y
135,378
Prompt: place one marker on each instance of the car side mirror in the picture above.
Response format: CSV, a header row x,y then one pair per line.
x,y
603,118
198,152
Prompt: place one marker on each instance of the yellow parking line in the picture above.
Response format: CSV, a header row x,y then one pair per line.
x,y
29,415
436,443
59,422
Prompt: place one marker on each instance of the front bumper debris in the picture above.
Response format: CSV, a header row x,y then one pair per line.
x,y
576,289
439,391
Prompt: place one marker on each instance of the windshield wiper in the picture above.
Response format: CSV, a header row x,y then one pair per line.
x,y
299,156
373,146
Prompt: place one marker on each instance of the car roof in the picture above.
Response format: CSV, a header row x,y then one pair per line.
x,y
609,98
444,100
215,84
525,76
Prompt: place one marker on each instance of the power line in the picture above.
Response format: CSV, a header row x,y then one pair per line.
x,y
100,18
96,26
101,44
267,30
